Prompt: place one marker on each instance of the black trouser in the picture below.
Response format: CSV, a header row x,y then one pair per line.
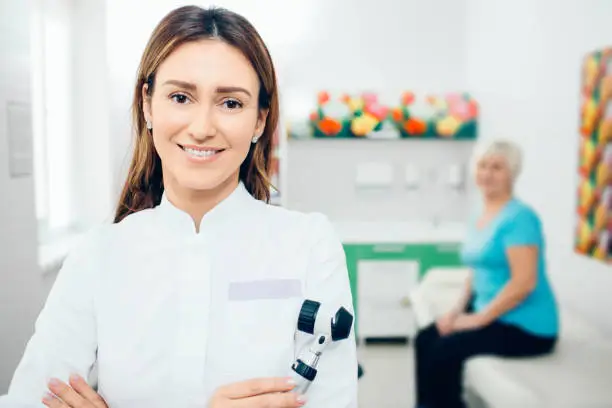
x,y
440,359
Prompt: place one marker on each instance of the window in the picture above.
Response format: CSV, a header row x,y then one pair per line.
x,y
51,50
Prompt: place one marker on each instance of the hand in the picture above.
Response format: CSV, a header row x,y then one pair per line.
x,y
470,321
76,395
257,393
445,323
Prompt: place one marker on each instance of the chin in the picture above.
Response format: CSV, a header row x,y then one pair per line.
x,y
202,182
493,193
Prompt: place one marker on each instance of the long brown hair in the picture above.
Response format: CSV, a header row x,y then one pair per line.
x,y
144,185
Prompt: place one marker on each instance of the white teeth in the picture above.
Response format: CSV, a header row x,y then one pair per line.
x,y
200,153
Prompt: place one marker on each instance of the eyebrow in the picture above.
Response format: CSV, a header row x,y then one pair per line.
x,y
182,84
192,87
232,89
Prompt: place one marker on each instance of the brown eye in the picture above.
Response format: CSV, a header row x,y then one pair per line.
x,y
232,104
180,98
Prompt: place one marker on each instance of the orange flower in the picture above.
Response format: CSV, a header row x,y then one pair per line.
x,y
473,109
398,115
345,98
322,97
407,98
330,127
415,127
314,116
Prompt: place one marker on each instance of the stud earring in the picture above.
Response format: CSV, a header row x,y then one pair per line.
x,y
254,139
149,125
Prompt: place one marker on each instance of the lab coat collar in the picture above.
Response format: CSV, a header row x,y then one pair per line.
x,y
228,210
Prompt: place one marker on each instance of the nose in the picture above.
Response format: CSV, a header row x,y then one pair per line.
x,y
202,124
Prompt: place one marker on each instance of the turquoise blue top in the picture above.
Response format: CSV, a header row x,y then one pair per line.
x,y
485,252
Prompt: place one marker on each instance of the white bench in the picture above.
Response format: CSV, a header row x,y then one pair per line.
x,y
577,375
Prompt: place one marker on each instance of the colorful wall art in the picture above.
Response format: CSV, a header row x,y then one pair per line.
x,y
594,220
452,116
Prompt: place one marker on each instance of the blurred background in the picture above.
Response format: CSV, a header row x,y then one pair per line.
x,y
399,201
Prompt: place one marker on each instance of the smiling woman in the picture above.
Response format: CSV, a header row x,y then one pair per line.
x,y
147,299
207,95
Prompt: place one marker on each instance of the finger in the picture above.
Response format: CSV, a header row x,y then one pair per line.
x,y
276,400
64,392
256,386
52,401
79,384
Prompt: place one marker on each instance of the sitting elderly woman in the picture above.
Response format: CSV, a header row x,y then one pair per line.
x,y
508,307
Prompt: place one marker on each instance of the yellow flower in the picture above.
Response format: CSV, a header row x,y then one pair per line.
x,y
448,126
589,156
589,116
601,217
590,71
356,104
584,236
586,197
605,131
364,124
603,174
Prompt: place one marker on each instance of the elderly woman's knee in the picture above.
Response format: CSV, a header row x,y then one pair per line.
x,y
426,337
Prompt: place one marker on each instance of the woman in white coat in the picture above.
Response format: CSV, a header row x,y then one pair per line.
x,y
191,298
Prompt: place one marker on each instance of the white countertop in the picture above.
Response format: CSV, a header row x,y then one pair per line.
x,y
398,232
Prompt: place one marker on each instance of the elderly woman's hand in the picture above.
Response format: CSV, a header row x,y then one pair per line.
x,y
446,322
471,321
77,394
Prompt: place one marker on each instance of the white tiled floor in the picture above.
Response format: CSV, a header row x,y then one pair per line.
x,y
388,381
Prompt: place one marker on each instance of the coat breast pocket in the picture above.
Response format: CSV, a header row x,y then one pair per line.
x,y
261,322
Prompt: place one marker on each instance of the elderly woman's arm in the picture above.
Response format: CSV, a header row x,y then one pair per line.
x,y
522,240
523,261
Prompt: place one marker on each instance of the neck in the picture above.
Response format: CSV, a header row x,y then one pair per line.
x,y
197,203
494,203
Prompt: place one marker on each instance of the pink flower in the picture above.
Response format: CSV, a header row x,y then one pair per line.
x,y
454,98
377,110
369,98
463,110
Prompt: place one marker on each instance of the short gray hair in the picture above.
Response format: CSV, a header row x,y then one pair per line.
x,y
507,149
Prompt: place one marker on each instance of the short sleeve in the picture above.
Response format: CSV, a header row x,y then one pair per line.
x,y
328,282
522,228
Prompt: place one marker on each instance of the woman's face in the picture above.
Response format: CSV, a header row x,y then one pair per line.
x,y
493,176
204,113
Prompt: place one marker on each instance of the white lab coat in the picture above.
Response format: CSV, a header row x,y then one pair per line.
x,y
167,315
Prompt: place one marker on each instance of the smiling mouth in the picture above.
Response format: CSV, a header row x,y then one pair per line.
x,y
201,152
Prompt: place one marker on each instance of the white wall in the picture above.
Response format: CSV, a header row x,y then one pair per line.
x,y
523,64
21,286
92,119
322,176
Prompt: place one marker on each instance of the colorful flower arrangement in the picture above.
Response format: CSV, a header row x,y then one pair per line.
x,y
453,116
593,234
348,116
364,116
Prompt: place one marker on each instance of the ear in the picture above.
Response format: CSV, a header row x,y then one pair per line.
x,y
146,102
261,121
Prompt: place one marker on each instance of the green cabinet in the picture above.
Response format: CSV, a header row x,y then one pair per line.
x,y
423,255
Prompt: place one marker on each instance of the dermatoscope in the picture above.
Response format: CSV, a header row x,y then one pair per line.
x,y
327,324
